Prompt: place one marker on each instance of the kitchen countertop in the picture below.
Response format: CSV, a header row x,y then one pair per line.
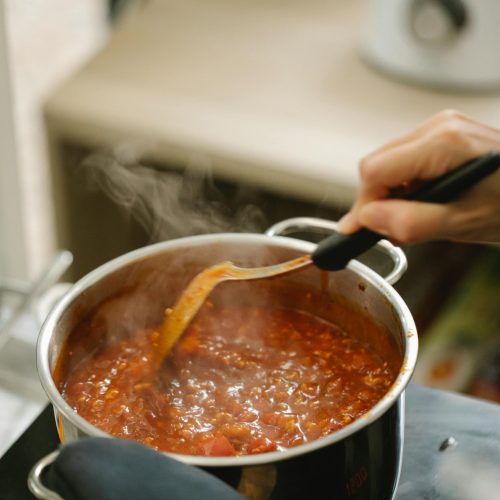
x,y
452,449
271,93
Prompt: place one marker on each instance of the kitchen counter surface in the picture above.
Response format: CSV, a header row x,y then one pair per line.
x,y
452,449
271,93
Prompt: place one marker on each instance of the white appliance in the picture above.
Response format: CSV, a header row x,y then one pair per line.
x,y
450,44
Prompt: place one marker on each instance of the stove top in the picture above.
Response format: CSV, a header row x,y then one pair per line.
x,y
452,449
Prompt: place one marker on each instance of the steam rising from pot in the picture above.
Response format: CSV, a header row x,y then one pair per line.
x,y
171,203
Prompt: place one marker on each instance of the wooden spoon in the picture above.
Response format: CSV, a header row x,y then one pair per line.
x,y
178,318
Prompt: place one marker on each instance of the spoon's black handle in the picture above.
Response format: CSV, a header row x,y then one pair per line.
x,y
334,252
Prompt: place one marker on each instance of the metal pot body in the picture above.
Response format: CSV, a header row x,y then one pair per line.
x,y
364,465
361,460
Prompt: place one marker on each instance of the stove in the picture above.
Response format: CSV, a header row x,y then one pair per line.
x,y
452,449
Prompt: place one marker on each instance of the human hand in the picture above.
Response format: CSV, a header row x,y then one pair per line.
x,y
442,143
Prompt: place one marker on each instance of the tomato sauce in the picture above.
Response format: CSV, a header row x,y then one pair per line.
x,y
241,380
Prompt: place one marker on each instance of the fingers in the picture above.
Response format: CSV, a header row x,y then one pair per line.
x,y
408,221
440,144
466,220
424,157
446,140
349,223
421,130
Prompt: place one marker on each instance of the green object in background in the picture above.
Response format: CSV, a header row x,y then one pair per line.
x,y
459,341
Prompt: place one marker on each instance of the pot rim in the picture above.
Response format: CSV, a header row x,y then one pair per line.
x,y
403,313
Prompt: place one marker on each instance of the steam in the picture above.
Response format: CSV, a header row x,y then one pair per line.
x,y
168,203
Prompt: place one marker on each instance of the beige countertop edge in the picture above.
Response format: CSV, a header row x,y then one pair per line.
x,y
321,169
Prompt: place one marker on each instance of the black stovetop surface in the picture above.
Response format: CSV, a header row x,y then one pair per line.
x,y
468,469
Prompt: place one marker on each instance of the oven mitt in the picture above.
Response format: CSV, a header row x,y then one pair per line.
x,y
115,469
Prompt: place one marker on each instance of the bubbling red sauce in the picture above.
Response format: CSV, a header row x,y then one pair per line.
x,y
241,380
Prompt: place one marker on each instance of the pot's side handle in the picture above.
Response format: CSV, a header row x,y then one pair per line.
x,y
35,478
320,226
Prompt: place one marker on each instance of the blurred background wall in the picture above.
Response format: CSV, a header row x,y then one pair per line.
x,y
47,40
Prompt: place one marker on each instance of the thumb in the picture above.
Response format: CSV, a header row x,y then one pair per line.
x,y
406,221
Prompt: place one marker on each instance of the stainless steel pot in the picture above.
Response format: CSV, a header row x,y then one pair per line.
x,y
361,460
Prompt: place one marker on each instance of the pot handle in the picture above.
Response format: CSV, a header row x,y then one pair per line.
x,y
35,483
320,226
